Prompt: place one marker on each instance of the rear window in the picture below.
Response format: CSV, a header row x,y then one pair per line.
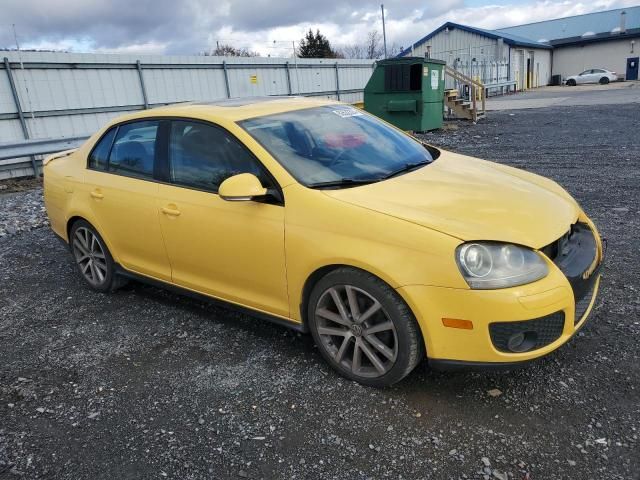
x,y
100,153
133,150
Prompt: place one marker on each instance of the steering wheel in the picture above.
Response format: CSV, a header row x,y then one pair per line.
x,y
336,160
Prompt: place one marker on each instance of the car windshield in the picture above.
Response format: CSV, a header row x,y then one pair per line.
x,y
337,146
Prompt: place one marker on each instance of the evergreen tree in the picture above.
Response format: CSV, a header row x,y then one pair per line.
x,y
315,46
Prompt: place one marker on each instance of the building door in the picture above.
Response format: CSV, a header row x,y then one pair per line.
x,y
632,68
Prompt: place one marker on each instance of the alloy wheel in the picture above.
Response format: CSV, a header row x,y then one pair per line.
x,y
356,331
90,256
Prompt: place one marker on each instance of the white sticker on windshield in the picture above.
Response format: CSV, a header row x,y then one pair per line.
x,y
348,112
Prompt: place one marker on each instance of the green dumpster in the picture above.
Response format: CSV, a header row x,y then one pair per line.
x,y
407,92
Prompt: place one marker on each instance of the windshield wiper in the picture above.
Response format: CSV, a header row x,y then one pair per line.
x,y
343,182
407,167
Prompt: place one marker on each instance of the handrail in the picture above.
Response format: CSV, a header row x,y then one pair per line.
x,y
474,87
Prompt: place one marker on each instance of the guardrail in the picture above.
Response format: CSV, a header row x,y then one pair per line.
x,y
32,150
39,147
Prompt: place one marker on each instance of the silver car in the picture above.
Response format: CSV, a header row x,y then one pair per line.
x,y
594,75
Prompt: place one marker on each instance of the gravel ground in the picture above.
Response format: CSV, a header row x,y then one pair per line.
x,y
146,384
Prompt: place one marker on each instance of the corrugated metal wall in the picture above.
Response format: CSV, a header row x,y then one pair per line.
x,y
67,94
457,43
472,54
612,55
486,58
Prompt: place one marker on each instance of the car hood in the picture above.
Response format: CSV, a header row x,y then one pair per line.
x,y
472,199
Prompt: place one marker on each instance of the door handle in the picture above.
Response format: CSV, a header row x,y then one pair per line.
x,y
171,210
97,195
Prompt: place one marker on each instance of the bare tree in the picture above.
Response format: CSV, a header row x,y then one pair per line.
x,y
371,48
226,50
353,51
374,47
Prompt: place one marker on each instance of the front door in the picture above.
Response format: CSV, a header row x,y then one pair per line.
x,y
584,77
121,190
230,250
632,68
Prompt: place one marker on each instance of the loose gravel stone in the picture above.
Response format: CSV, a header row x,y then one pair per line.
x,y
21,212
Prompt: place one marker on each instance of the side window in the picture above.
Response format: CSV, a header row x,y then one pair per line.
x,y
100,153
133,151
203,156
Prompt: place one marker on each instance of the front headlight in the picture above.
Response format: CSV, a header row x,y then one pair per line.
x,y
490,265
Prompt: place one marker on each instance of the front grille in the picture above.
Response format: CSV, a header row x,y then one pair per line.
x,y
574,254
582,304
542,331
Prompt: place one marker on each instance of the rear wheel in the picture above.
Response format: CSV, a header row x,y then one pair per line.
x,y
604,80
93,258
571,82
363,328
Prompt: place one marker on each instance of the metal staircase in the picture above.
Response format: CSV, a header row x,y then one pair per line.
x,y
473,108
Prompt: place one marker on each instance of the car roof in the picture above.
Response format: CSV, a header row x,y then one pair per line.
x,y
233,109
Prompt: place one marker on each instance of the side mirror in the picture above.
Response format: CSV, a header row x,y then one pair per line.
x,y
241,188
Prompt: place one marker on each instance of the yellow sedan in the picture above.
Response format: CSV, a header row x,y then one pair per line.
x,y
324,218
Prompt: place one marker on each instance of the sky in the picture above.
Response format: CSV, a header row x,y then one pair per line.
x,y
265,26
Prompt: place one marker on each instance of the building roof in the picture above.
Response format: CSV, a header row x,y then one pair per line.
x,y
598,27
597,37
508,38
576,26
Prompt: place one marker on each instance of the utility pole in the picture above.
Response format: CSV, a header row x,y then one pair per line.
x,y
384,33
295,61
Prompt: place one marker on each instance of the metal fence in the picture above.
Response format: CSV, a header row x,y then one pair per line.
x,y
47,95
486,71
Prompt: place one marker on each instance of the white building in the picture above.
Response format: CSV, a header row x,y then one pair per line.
x,y
484,54
531,54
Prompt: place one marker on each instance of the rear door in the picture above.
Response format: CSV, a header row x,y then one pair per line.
x,y
597,74
122,191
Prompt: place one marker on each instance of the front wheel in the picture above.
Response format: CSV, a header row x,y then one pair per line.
x,y
363,328
571,82
604,80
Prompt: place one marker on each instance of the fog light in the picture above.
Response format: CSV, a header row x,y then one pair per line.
x,y
522,341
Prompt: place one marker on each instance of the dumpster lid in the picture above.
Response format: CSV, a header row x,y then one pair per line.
x,y
391,61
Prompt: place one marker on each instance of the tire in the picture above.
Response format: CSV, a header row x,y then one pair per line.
x,y
571,83
604,80
341,334
93,259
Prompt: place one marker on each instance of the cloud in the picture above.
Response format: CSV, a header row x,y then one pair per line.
x,y
192,26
